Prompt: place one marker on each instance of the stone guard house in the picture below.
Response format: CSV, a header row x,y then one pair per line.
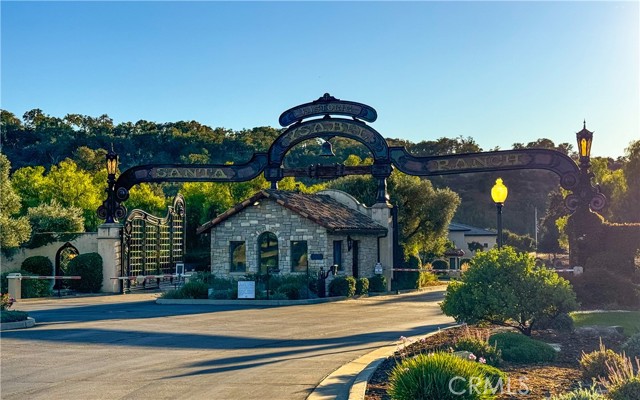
x,y
292,232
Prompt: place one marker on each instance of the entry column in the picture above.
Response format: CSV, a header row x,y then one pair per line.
x,y
110,249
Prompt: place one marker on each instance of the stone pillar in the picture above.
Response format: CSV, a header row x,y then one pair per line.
x,y
15,285
109,248
381,213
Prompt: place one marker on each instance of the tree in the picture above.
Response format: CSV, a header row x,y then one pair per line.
x,y
424,213
50,219
13,230
149,198
506,288
65,183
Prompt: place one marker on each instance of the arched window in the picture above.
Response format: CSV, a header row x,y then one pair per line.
x,y
267,252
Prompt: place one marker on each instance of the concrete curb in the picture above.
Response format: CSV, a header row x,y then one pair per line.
x,y
363,368
28,323
248,302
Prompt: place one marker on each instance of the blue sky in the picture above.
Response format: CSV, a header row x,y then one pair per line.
x,y
500,72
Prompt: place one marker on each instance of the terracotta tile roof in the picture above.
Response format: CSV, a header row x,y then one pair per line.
x,y
321,209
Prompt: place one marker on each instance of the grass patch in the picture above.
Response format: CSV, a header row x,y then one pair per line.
x,y
629,320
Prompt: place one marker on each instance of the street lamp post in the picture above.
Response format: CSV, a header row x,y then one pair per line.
x,y
112,167
499,194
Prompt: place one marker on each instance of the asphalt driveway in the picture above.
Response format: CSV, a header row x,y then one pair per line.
x,y
128,347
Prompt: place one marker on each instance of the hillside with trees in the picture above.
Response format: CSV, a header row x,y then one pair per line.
x,y
51,163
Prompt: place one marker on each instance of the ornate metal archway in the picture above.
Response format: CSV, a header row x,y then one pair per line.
x,y
317,120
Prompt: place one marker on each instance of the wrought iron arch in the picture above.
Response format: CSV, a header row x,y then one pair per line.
x,y
314,120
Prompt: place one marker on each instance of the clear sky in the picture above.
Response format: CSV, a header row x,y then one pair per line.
x,y
500,72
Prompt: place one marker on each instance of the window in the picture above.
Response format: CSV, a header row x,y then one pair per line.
x,y
337,254
267,252
299,256
238,256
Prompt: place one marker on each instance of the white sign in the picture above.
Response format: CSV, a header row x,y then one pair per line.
x,y
377,269
179,268
246,289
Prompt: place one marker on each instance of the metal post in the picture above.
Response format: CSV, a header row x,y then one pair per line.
x,y
499,209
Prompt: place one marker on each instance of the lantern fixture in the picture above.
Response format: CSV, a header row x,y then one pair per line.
x,y
585,137
112,162
499,192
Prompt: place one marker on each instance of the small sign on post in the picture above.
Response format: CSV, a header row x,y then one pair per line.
x,y
246,289
179,269
378,269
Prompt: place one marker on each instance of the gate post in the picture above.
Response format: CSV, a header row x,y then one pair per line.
x,y
382,214
109,248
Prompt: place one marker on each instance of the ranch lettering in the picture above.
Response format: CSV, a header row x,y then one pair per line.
x,y
197,173
452,164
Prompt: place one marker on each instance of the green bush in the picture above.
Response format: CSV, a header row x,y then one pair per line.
x,y
632,346
506,287
194,290
290,289
362,286
89,267
31,288
580,394
479,348
518,348
629,390
561,322
600,288
342,286
38,265
596,364
406,280
443,376
623,381
12,316
378,283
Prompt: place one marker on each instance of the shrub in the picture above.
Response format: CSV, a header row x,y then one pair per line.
x,y
194,290
480,348
603,289
414,280
362,286
506,287
597,363
561,322
38,265
623,383
89,267
278,296
518,348
431,376
632,346
12,316
291,290
342,286
378,283
580,394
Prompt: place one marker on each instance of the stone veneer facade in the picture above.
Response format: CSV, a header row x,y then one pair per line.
x,y
269,216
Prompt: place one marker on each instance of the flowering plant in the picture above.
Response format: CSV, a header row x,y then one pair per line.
x,y
6,301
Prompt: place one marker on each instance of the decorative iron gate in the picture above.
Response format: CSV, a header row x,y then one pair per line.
x,y
152,245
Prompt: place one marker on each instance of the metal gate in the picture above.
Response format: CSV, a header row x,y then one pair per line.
x,y
152,246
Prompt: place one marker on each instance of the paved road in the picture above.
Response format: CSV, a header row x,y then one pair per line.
x,y
128,347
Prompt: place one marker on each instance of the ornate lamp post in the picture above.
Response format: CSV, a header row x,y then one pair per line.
x,y
584,137
107,210
499,194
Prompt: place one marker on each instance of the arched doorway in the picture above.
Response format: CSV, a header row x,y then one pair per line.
x,y
64,255
267,253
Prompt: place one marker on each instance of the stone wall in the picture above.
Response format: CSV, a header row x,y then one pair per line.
x,y
84,242
266,216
